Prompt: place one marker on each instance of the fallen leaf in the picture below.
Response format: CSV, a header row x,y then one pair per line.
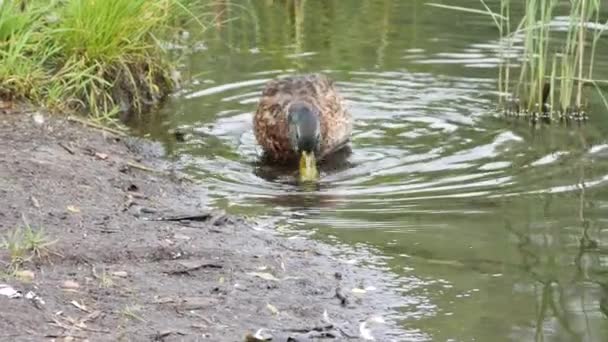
x,y
264,275
272,309
73,209
35,202
101,156
326,316
358,290
80,306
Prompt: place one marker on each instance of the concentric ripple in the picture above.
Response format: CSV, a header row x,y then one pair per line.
x,y
418,139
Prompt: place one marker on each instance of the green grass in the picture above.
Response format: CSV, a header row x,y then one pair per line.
x,y
25,244
554,71
21,70
99,57
119,58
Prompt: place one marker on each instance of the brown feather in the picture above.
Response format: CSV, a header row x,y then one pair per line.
x,y
270,119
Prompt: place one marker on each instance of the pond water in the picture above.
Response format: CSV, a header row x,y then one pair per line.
x,y
494,230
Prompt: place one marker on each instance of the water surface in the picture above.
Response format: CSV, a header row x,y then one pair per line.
x,y
493,228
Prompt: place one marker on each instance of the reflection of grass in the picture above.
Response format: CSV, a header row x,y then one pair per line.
x,y
551,78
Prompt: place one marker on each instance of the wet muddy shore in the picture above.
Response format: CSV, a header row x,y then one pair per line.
x,y
138,256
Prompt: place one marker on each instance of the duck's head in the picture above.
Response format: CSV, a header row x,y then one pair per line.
x,y
305,136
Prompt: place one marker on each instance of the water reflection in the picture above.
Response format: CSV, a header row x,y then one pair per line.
x,y
494,229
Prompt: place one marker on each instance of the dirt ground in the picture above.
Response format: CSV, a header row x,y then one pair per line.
x,y
118,273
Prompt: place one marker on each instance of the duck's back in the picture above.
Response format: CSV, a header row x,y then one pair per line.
x,y
270,120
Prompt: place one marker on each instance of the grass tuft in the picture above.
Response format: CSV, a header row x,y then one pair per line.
x,y
22,53
113,45
103,57
25,244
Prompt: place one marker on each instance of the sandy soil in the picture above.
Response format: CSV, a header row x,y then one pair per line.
x,y
116,272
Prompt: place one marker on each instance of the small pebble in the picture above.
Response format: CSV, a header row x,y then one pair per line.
x,y
70,285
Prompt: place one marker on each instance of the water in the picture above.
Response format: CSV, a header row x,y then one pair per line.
x,y
493,229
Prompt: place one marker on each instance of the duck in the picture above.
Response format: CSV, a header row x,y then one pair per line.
x,y
302,118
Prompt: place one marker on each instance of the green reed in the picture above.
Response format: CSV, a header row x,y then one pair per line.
x,y
554,71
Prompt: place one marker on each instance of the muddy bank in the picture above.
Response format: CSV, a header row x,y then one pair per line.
x,y
116,272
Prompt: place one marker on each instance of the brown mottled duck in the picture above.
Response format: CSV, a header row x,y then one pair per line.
x,y
302,117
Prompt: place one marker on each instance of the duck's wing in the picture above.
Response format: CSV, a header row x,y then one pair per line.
x,y
269,120
336,120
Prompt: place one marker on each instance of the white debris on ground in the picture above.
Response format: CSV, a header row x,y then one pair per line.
x,y
9,291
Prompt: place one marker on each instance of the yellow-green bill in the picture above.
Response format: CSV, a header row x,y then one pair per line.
x,y
308,167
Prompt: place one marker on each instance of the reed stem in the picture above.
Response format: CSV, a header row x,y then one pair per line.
x,y
581,53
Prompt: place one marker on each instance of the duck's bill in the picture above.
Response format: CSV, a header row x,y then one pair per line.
x,y
308,167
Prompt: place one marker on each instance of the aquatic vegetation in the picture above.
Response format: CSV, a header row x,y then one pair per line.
x,y
102,57
555,59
